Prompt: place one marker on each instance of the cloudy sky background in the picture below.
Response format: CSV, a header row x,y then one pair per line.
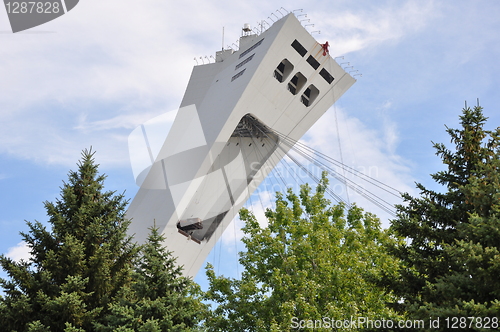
x,y
91,76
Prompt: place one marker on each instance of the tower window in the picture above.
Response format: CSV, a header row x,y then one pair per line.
x,y
309,95
326,75
238,75
299,48
283,70
244,62
296,83
313,62
251,48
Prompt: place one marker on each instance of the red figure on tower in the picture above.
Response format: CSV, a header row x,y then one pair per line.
x,y
325,48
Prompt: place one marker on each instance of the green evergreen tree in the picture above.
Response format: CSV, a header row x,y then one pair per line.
x,y
78,266
160,299
312,263
451,251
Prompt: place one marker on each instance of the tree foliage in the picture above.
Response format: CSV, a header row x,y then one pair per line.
x,y
84,268
78,266
311,262
452,250
160,299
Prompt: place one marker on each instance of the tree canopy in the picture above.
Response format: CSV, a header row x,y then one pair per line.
x,y
314,262
311,262
160,299
78,266
451,252
85,272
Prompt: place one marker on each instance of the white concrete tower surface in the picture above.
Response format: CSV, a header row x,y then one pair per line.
x,y
227,136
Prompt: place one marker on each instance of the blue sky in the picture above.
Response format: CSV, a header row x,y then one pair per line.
x,y
91,76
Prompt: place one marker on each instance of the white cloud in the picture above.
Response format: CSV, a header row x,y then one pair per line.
x,y
232,235
98,72
391,135
126,121
372,24
111,65
20,251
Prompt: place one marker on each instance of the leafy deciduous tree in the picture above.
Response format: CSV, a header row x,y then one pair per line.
x,y
311,262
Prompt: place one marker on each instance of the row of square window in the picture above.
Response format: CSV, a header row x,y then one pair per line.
x,y
312,61
242,63
281,73
254,46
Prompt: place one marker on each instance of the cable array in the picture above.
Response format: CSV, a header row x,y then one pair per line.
x,y
295,150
